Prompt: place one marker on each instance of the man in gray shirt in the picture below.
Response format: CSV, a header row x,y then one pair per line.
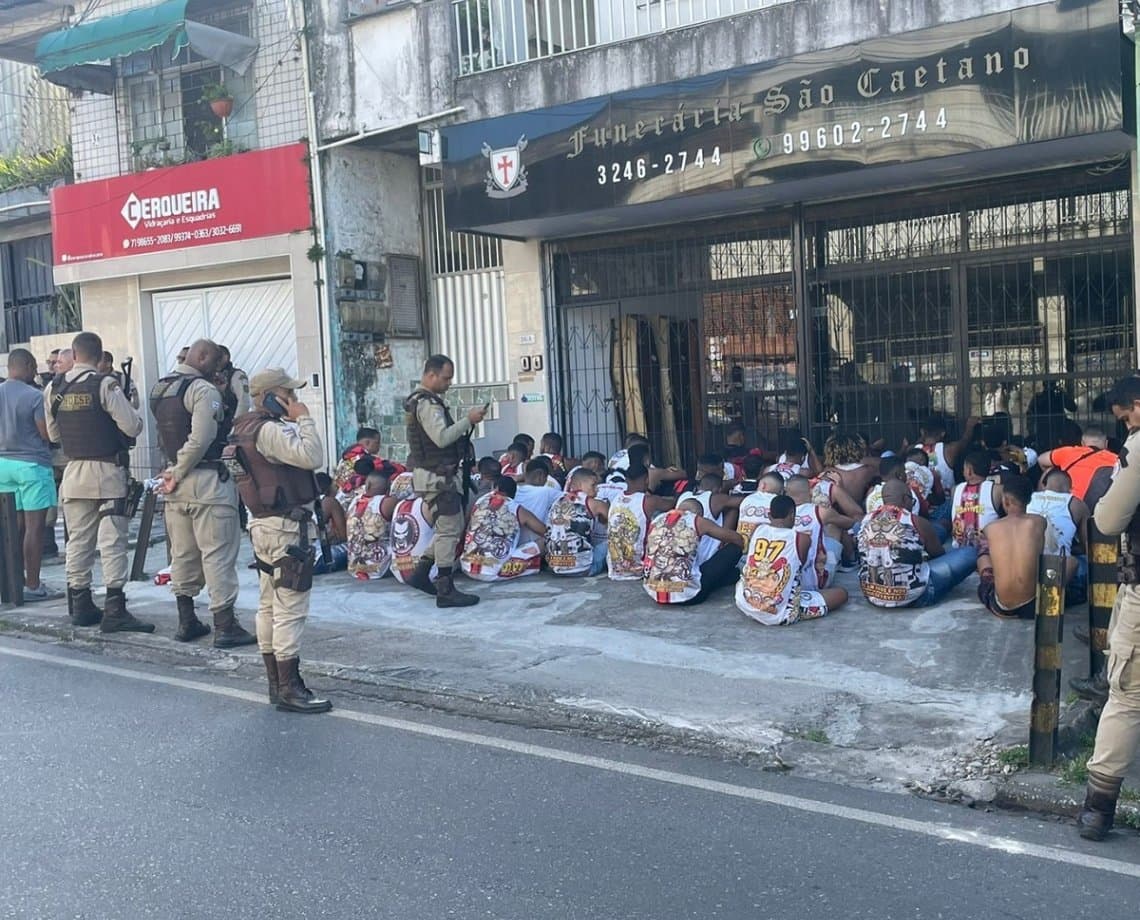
x,y
25,464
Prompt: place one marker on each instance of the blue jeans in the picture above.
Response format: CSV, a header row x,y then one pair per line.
x,y
599,563
947,572
942,528
339,553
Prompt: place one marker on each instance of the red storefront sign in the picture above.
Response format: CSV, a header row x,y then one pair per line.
x,y
240,197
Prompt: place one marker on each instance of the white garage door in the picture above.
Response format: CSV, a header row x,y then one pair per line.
x,y
255,321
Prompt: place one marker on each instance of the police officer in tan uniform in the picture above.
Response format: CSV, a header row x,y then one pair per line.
x,y
201,496
1118,734
95,425
274,450
233,384
434,441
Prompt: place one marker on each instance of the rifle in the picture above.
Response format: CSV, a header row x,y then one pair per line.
x,y
466,462
126,367
135,490
322,531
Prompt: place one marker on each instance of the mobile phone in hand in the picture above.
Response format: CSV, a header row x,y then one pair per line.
x,y
273,404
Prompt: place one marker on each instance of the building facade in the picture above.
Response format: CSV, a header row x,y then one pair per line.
x,y
800,216
35,155
187,218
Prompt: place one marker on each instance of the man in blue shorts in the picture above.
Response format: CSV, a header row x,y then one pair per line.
x,y
25,464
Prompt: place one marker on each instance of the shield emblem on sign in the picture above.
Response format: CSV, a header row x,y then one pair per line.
x,y
505,167
506,176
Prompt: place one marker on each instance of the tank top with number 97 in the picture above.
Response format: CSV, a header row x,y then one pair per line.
x,y
769,586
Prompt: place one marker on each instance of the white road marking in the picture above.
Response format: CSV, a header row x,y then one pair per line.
x,y
828,809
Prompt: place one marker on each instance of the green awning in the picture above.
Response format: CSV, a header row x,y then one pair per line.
x,y
80,57
103,40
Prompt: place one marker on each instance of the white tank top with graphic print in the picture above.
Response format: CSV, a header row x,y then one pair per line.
x,y
411,536
569,535
814,573
628,524
673,564
769,586
491,550
755,511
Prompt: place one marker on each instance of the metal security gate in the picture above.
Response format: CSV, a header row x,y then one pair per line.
x,y
673,338
1011,304
1011,301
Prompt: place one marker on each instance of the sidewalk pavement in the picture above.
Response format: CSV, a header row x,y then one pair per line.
x,y
896,699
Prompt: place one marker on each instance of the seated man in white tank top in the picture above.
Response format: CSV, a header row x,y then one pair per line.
x,y
1068,525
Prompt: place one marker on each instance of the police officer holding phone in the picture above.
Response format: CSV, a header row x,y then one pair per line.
x,y
273,452
436,443
201,496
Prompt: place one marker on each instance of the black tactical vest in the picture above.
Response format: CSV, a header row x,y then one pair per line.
x,y
168,405
423,452
268,489
86,429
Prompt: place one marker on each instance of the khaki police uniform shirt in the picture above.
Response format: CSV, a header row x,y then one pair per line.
x,y
239,386
1114,512
96,478
201,486
1121,502
292,443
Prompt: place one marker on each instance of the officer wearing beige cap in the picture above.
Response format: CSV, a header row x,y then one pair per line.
x,y
273,452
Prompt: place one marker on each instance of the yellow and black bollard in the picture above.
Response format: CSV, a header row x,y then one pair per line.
x,y
1104,554
1047,660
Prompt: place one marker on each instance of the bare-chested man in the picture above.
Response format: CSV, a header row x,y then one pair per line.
x,y
1009,569
844,465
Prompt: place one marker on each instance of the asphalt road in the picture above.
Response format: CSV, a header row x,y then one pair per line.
x,y
131,792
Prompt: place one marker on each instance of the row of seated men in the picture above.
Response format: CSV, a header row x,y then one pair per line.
x,y
776,530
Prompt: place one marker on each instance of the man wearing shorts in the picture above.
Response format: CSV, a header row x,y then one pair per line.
x,y
1008,567
25,464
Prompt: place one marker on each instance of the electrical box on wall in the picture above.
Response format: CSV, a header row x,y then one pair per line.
x,y
380,299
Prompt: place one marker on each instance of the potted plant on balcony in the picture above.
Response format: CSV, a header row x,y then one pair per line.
x,y
220,99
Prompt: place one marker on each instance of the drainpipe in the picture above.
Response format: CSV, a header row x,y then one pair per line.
x,y
323,283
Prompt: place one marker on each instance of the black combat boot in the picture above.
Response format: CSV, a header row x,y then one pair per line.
x,y
448,596
271,673
228,632
1094,820
292,694
1094,689
81,608
420,579
116,617
189,626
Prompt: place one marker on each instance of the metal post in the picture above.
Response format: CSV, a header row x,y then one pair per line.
x,y
11,552
1104,553
146,522
1047,660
